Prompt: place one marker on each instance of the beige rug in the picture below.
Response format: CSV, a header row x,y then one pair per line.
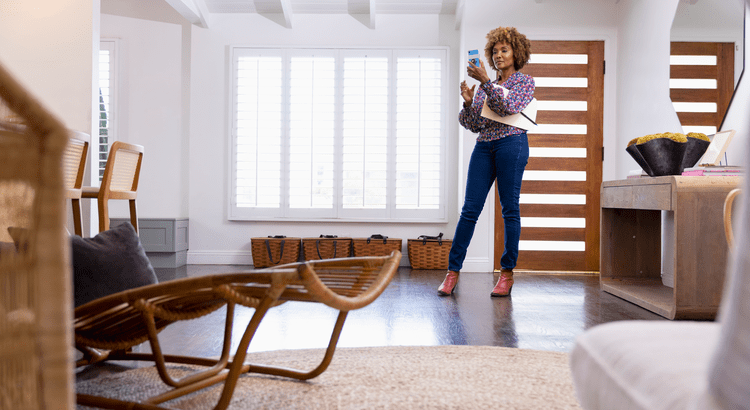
x,y
432,377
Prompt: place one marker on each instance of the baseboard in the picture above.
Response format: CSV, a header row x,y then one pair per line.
x,y
219,258
167,259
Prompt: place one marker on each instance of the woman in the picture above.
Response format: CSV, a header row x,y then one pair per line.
x,y
501,151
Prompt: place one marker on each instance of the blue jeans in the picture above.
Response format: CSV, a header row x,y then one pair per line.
x,y
503,160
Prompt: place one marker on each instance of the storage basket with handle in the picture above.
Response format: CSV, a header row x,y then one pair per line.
x,y
326,247
375,245
429,252
274,250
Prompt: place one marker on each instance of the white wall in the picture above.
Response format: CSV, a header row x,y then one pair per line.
x,y
214,239
150,95
643,103
51,49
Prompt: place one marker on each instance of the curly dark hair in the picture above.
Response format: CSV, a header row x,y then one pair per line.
x,y
518,42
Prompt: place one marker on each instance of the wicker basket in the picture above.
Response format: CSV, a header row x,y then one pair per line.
x,y
429,252
375,245
326,247
274,250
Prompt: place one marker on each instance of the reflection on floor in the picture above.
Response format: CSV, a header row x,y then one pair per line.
x,y
545,312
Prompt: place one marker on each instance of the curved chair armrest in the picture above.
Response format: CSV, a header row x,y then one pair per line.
x,y
728,202
316,284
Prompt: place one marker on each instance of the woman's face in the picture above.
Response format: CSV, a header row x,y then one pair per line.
x,y
502,54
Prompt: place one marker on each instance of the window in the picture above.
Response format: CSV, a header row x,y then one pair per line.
x,y
338,134
106,105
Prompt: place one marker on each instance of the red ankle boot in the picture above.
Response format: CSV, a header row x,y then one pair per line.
x,y
504,283
449,284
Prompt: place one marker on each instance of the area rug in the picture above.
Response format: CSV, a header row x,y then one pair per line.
x,y
428,377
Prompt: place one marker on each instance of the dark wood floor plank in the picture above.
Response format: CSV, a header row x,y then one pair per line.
x,y
545,312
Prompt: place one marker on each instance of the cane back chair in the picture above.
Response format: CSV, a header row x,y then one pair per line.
x,y
74,164
119,181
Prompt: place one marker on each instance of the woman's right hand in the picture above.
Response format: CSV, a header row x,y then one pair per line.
x,y
467,93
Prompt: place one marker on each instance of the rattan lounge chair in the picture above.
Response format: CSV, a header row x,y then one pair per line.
x,y
106,328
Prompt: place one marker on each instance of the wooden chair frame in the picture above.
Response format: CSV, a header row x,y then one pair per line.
x,y
106,329
728,221
119,181
74,165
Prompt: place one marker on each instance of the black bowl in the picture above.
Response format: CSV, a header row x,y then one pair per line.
x,y
663,155
696,147
633,151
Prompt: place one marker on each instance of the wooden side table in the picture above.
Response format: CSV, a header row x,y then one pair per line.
x,y
694,244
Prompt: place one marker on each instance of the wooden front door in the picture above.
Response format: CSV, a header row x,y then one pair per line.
x,y
560,191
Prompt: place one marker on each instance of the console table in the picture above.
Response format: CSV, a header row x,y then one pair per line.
x,y
691,245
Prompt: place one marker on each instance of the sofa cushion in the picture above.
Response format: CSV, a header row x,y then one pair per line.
x,y
649,365
110,262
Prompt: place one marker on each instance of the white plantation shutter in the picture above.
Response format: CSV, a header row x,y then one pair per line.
x,y
419,135
257,131
365,131
338,134
312,90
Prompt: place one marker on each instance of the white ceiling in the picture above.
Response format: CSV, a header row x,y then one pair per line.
x,y
690,13
333,6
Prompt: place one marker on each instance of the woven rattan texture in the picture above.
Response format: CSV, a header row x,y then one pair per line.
x,y
326,248
375,247
429,254
282,251
35,279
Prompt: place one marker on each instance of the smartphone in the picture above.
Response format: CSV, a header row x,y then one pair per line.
x,y
474,57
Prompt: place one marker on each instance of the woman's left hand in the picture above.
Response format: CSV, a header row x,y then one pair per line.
x,y
478,73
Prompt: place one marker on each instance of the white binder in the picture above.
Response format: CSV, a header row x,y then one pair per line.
x,y
524,120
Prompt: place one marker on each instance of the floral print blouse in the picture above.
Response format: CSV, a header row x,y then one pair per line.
x,y
521,87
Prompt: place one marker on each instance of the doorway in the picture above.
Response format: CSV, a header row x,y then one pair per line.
x,y
560,191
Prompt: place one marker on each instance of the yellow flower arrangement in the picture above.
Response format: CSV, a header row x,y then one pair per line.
x,y
699,135
674,136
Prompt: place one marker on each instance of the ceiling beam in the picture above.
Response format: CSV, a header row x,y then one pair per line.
x,y
278,11
286,9
459,13
194,11
363,11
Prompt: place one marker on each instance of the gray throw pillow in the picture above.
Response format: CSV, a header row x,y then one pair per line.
x,y
110,262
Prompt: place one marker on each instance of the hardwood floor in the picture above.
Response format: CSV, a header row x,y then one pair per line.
x,y
545,312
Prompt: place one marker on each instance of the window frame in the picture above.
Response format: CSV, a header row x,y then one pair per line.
x,y
338,213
